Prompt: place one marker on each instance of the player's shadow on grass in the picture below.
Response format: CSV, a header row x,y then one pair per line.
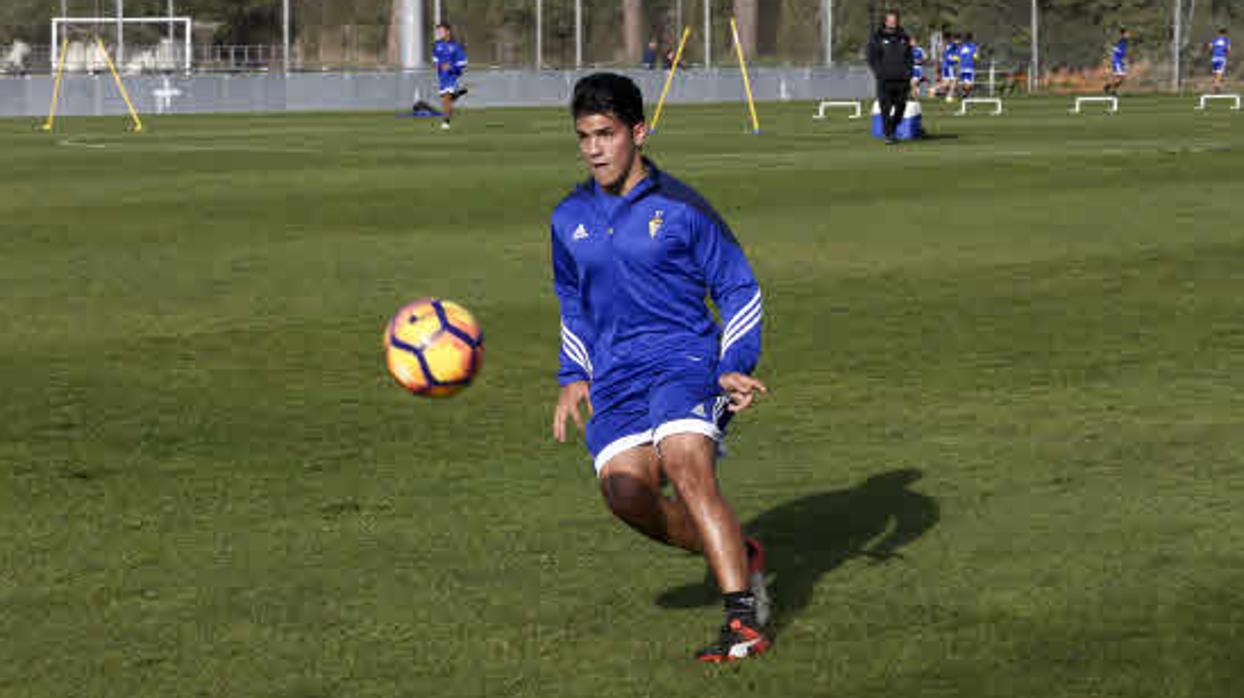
x,y
809,537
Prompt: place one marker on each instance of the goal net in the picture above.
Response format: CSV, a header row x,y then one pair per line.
x,y
137,44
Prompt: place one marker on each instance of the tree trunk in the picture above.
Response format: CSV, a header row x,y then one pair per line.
x,y
633,29
745,13
393,44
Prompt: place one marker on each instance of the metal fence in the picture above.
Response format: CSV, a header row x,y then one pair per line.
x,y
1070,49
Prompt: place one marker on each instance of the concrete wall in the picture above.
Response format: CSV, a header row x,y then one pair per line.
x,y
83,95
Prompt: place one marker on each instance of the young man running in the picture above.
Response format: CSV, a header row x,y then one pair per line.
x,y
451,61
635,251
950,67
1219,52
1118,63
917,68
968,53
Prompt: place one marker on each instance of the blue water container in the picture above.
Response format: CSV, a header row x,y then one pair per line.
x,y
910,128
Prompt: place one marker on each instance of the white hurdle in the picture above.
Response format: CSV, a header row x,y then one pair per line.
x,y
855,106
1206,98
997,105
1112,102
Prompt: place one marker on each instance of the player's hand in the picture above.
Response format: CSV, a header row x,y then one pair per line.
x,y
568,406
741,389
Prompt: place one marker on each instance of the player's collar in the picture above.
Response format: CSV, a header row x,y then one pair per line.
x,y
647,184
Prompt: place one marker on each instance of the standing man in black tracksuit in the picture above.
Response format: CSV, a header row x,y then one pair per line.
x,y
889,56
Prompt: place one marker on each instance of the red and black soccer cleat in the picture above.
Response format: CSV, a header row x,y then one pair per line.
x,y
738,640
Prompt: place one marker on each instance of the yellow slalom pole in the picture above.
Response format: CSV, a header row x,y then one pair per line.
x,y
747,83
138,123
60,72
669,79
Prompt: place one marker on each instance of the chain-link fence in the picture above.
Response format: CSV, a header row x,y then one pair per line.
x,y
361,35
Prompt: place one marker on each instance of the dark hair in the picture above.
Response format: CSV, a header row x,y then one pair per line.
x,y
444,25
608,93
1122,31
1222,31
967,37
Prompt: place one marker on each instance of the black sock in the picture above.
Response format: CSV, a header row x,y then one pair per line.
x,y
741,605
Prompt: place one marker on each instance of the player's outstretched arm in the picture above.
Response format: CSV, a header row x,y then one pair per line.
x,y
568,401
742,389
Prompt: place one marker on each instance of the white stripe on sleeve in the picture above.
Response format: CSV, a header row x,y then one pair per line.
x,y
729,340
745,310
574,348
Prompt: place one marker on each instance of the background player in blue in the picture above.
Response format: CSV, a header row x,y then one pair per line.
x,y
917,68
635,252
451,61
1219,51
950,57
968,53
1118,63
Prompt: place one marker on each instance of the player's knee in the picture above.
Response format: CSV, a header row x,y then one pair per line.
x,y
687,460
628,497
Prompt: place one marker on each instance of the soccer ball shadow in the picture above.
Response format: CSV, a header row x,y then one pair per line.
x,y
809,537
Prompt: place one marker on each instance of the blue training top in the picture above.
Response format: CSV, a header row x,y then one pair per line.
x,y
1220,47
967,55
1120,51
949,57
450,58
631,273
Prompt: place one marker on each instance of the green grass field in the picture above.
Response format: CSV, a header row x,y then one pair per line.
x,y
1003,454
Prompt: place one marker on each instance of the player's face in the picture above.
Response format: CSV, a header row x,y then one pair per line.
x,y
609,147
441,34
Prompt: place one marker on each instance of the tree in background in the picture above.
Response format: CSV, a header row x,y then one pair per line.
x,y
633,30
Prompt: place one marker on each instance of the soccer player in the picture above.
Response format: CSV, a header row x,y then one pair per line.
x,y
1219,51
968,53
451,61
950,56
917,68
635,252
1118,63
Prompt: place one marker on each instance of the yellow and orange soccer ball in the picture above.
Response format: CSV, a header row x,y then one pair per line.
x,y
433,347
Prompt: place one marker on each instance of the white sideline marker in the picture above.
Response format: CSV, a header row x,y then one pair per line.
x,y
858,110
1233,97
1113,103
997,105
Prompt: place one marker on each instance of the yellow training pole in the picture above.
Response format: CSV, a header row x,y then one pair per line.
x,y
138,123
747,83
669,79
60,72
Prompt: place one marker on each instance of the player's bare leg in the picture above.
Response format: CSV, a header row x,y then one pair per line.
x,y
687,460
447,107
631,485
